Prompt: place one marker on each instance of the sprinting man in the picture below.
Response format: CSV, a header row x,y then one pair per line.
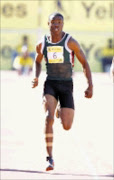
x,y
58,50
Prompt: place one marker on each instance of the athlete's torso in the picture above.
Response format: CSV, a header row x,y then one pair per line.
x,y
59,58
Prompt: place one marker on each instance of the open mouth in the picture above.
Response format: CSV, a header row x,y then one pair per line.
x,y
56,29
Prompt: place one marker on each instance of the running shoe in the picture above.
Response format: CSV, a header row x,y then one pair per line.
x,y
58,111
51,164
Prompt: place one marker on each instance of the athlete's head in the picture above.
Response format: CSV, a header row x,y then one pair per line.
x,y
55,22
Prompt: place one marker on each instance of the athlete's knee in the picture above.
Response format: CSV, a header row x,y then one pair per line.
x,y
49,120
67,126
45,105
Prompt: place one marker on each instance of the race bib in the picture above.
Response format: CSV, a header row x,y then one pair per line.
x,y
55,54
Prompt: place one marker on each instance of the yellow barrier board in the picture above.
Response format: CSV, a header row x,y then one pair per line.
x,y
79,15
19,14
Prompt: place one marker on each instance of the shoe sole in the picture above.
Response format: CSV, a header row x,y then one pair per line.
x,y
57,114
49,168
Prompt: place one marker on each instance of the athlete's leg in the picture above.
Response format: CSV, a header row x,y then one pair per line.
x,y
66,99
50,106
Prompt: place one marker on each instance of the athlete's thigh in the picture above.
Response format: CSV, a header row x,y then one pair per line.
x,y
67,116
50,88
66,95
50,96
50,103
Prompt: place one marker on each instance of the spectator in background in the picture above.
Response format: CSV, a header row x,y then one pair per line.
x,y
112,69
17,51
23,63
107,54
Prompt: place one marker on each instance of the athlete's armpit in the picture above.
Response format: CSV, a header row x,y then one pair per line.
x,y
74,46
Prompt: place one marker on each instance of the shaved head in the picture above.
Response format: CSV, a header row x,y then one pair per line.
x,y
51,16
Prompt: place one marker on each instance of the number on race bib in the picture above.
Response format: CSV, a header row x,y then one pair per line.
x,y
55,54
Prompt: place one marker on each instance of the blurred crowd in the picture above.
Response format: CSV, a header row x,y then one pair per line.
x,y
23,57
107,54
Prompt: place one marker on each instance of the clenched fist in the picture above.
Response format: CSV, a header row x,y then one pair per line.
x,y
89,92
35,82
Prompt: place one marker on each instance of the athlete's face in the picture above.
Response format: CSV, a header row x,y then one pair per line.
x,y
55,24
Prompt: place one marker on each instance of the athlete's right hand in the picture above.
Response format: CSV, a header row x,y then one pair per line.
x,y
35,82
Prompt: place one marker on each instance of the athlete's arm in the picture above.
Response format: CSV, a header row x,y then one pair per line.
x,y
37,65
74,46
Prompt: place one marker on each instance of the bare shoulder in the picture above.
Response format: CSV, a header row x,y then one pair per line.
x,y
76,48
39,51
73,44
39,46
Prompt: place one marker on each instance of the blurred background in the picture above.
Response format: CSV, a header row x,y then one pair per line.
x,y
89,22
88,147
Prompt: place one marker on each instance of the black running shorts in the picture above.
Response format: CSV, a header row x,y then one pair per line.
x,y
61,90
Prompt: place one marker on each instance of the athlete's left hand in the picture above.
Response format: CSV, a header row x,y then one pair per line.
x,y
89,92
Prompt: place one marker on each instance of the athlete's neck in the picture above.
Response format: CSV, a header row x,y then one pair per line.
x,y
56,38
